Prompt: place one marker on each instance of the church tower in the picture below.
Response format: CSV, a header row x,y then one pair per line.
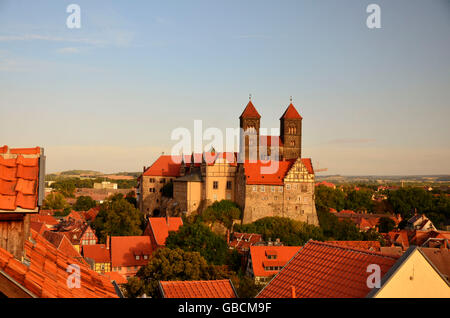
x,y
291,133
249,141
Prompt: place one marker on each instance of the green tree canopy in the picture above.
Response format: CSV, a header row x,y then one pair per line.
x,y
330,198
171,264
117,217
385,225
54,201
84,203
197,237
167,190
359,200
224,212
289,231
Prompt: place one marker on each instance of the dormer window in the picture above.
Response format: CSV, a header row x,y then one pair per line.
x,y
145,256
138,257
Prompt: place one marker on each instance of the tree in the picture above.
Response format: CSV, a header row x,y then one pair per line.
x,y
170,264
197,237
117,217
131,197
329,198
289,231
386,224
359,200
224,212
66,187
84,203
54,201
246,287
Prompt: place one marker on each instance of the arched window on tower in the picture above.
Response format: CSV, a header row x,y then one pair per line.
x,y
292,143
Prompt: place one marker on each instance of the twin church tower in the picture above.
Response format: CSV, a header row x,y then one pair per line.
x,y
289,141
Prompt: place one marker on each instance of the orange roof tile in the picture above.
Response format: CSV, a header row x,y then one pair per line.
x,y
125,248
364,245
19,178
250,111
259,255
164,166
198,289
324,270
159,228
115,276
46,219
254,176
46,276
98,253
291,113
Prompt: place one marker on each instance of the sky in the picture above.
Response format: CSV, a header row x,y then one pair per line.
x,y
107,96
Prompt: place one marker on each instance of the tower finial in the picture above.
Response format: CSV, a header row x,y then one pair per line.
x,y
291,99
249,96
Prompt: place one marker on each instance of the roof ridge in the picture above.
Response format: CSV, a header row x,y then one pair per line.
x,y
353,249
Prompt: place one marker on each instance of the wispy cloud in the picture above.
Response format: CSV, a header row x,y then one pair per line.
x,y
68,50
252,36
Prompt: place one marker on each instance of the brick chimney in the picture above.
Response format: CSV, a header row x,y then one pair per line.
x,y
108,242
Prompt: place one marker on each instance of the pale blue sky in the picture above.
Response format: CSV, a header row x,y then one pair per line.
x,y
107,96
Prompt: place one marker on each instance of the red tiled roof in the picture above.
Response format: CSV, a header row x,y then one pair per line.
x,y
160,228
62,243
254,176
47,275
98,253
198,289
125,248
19,178
77,216
259,254
364,245
164,166
323,270
92,213
118,278
326,184
291,113
38,227
250,111
243,241
46,219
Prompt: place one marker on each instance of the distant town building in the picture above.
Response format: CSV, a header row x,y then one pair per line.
x,y
266,261
420,222
105,185
129,254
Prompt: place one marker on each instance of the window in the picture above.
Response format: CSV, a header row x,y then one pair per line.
x,y
261,188
215,184
229,185
151,180
138,257
272,189
163,180
275,198
280,189
288,187
299,198
255,188
304,188
145,256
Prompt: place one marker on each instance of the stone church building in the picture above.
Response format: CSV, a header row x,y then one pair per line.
x,y
267,177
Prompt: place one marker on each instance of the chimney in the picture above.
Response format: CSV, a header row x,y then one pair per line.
x,y
293,292
167,218
228,236
108,239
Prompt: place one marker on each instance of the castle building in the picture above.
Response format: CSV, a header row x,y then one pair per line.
x,y
267,177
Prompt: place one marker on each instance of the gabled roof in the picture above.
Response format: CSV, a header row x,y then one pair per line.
x,y
198,289
291,113
161,226
164,166
440,257
259,257
98,253
326,270
46,275
243,241
125,248
253,172
250,111
19,178
62,243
